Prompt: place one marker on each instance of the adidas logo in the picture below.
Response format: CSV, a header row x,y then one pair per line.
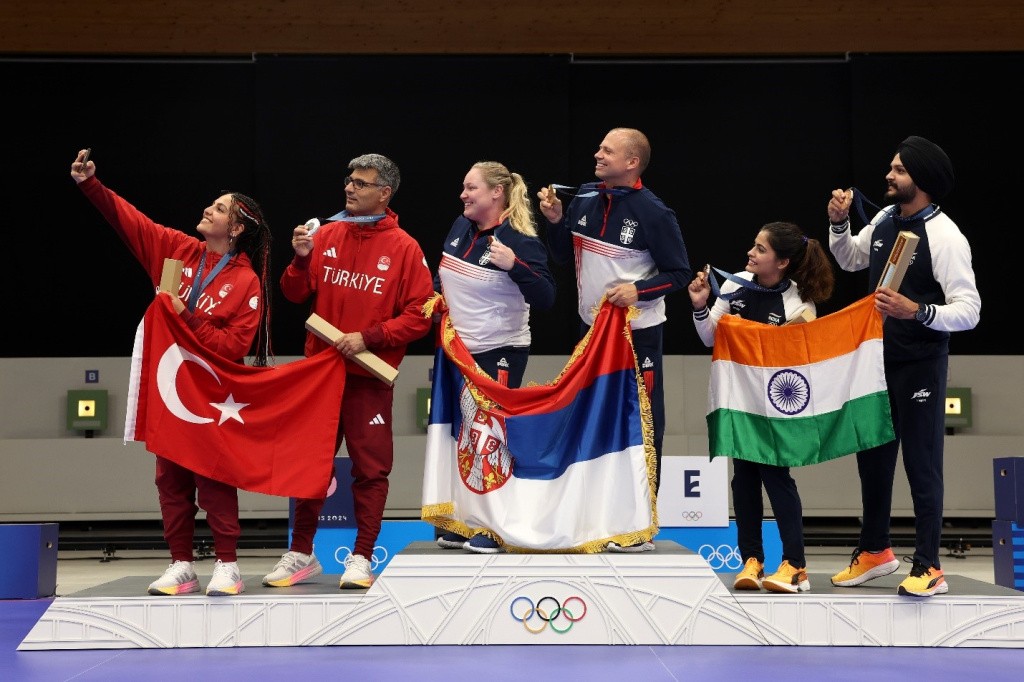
x,y
331,253
377,420
582,221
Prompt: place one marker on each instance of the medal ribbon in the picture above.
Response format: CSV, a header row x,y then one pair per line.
x,y
344,216
198,284
613,191
744,284
859,200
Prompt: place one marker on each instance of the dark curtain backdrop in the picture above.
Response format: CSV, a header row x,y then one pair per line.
x,y
736,144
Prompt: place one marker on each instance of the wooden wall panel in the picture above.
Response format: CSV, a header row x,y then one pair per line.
x,y
654,27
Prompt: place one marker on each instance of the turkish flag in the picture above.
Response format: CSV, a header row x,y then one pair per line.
x,y
267,430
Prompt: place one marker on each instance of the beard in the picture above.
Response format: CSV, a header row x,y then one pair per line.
x,y
900,196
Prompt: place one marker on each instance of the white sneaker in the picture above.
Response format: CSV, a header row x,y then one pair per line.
x,y
179,578
452,541
357,575
482,544
631,549
226,580
293,568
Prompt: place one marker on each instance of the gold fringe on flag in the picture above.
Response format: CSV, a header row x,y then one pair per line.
x,y
440,514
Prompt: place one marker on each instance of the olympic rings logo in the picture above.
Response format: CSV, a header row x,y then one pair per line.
x,y
343,552
560,611
723,556
692,515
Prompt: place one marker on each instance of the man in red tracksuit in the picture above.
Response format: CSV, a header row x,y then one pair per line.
x,y
369,279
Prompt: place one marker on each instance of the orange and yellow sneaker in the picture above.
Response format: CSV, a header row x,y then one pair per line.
x,y
923,581
865,566
787,579
751,576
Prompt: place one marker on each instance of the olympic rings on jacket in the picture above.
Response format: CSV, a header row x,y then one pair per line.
x,y
547,618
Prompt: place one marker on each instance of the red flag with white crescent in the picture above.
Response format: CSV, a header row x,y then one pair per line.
x,y
268,430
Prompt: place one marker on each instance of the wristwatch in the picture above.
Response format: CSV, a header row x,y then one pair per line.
x,y
922,313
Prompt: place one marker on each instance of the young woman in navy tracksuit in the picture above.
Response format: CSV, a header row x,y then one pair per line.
x,y
786,274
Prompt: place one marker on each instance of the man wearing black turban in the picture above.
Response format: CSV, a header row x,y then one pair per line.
x,y
937,296
928,166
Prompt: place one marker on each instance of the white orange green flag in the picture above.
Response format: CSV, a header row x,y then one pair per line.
x,y
799,394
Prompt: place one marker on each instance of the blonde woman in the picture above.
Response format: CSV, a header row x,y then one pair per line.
x,y
493,271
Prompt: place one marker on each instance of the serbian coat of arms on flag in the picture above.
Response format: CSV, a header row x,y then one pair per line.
x,y
566,466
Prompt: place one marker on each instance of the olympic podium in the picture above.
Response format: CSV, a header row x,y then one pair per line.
x,y
427,596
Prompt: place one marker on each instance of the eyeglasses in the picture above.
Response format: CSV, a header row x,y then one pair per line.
x,y
361,184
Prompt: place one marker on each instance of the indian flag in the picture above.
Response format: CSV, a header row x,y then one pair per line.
x,y
799,394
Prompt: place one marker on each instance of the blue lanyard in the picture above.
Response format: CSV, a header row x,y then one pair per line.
x,y
197,287
345,217
859,200
613,191
744,284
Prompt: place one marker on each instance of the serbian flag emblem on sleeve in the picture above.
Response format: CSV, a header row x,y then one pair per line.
x,y
566,466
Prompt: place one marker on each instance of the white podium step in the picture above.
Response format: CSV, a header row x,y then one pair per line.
x,y
427,596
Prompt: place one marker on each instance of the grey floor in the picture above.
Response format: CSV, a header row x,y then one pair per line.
x,y
82,570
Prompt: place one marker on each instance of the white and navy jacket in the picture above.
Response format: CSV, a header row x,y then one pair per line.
x,y
771,306
622,239
940,275
489,307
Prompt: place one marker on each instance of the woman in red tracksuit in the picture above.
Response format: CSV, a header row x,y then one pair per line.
x,y
225,303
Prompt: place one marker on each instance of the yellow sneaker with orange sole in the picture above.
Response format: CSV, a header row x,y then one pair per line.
x,y
751,576
787,579
865,566
923,581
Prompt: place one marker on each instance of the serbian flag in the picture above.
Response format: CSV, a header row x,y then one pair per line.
x,y
799,394
267,430
562,467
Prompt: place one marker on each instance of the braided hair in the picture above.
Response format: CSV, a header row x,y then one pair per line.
x,y
254,241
